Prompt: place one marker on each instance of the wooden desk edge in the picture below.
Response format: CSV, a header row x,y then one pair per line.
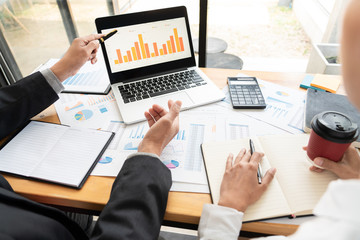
x,y
270,228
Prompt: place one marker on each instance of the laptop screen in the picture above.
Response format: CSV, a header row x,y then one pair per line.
x,y
147,44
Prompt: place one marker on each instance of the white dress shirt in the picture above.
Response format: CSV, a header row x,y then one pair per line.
x,y
337,217
53,81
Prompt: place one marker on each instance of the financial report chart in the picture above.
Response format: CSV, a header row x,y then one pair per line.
x,y
194,156
141,50
85,78
238,131
147,44
180,135
118,128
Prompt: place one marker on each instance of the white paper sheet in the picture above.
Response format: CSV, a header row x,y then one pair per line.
x,y
88,111
91,78
285,106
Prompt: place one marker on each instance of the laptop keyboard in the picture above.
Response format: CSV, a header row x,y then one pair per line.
x,y
157,86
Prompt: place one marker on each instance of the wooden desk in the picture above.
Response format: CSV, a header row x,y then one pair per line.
x,y
182,207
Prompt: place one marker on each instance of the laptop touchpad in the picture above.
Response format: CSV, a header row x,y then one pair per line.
x,y
183,97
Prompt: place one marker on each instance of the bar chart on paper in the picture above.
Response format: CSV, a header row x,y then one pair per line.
x,y
91,78
132,136
146,44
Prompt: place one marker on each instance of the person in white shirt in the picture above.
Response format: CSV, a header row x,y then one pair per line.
x,y
338,211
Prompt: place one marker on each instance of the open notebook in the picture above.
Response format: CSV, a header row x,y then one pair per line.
x,y
294,190
54,153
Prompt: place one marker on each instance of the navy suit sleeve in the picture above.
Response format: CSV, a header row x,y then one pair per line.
x,y
138,201
23,100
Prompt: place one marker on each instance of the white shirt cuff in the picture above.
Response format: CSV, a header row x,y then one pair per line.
x,y
143,154
53,81
218,222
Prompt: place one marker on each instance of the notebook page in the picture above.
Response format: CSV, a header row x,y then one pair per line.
x,y
72,157
271,204
302,187
26,150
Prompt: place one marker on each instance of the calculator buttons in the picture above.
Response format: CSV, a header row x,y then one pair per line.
x,y
246,94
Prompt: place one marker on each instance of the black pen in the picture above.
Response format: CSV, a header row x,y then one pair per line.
x,y
101,40
259,171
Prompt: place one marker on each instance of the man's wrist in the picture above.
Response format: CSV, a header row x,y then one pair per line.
x,y
61,71
241,207
150,147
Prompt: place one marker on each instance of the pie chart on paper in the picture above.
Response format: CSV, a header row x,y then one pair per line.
x,y
171,164
105,160
83,115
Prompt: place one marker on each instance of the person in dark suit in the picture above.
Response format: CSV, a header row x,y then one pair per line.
x,y
139,194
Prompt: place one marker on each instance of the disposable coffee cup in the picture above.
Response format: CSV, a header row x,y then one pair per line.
x,y
331,134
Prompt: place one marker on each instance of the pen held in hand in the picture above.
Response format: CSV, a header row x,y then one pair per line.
x,y
101,40
259,170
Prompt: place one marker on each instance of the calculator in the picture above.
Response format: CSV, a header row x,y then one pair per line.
x,y
245,93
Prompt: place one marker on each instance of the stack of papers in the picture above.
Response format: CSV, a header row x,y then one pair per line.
x,y
213,122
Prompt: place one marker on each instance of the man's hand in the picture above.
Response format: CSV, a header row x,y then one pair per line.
x,y
163,127
81,50
347,168
240,188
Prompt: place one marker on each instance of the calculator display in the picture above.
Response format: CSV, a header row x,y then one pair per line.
x,y
243,82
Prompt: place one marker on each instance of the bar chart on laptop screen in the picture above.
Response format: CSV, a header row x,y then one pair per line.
x,y
146,44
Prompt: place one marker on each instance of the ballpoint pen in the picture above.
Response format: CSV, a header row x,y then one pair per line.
x,y
101,40
259,170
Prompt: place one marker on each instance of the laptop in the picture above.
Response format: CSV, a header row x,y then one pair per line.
x,y
151,60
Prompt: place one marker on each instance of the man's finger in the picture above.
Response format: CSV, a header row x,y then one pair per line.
x,y
160,110
94,51
93,37
91,46
229,161
246,157
94,60
174,110
256,158
154,114
149,119
316,169
327,164
240,155
170,103
269,176
92,56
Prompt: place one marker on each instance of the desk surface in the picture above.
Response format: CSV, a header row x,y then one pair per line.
x,y
182,207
